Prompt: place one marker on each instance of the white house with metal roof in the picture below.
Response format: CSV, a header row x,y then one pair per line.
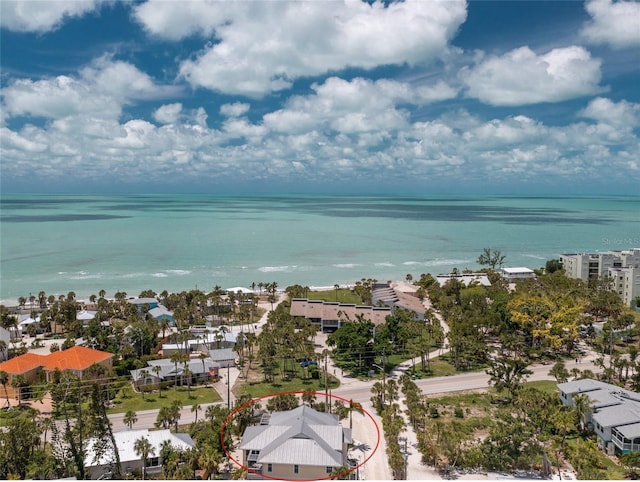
x,y
200,368
300,444
99,462
614,413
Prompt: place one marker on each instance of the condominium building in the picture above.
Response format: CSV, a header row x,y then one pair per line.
x,y
623,267
626,282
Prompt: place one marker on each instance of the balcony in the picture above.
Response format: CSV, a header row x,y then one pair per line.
x,y
624,444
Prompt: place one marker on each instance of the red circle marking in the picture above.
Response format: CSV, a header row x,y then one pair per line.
x,y
255,400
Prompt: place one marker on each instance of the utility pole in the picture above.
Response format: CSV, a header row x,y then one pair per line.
x,y
384,374
405,454
228,387
326,390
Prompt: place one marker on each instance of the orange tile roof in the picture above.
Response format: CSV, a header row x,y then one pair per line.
x,y
74,358
23,363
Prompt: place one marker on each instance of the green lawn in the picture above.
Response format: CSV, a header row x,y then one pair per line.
x,y
134,401
301,380
343,296
262,389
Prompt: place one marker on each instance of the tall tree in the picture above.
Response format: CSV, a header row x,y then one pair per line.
x,y
130,418
143,449
491,258
508,373
4,379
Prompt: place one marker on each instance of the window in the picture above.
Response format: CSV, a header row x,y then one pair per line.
x,y
296,469
154,462
269,467
328,470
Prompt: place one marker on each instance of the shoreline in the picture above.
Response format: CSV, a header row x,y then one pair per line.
x,y
81,297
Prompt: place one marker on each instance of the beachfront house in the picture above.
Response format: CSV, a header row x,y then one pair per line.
x,y
140,303
41,368
613,413
329,316
299,444
85,316
161,313
514,274
24,322
465,278
99,463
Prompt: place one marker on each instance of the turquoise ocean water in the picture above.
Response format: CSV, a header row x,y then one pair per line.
x,y
59,243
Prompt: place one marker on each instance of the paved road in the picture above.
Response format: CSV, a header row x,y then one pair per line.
x,y
360,391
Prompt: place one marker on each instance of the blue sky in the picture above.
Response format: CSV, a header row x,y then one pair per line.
x,y
320,96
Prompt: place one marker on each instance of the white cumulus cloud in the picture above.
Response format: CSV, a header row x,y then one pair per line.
x,y
522,77
614,23
261,47
168,113
234,110
622,114
42,15
100,90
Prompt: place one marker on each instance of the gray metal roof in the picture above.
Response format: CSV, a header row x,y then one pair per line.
x,y
630,431
168,368
300,436
616,415
222,354
582,386
613,406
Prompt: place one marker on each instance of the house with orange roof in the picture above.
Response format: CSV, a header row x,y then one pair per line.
x,y
40,368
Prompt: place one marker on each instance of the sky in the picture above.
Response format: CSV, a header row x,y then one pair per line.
x,y
420,96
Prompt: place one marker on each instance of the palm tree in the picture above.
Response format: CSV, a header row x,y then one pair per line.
x,y
209,459
175,358
582,404
195,408
354,406
3,349
563,421
164,324
143,449
202,358
157,369
130,418
4,379
188,373
19,382
336,287
144,374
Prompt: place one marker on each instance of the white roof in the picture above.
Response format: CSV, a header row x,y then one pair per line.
x,y
239,288
143,301
479,278
299,436
517,270
159,311
86,315
28,321
126,440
